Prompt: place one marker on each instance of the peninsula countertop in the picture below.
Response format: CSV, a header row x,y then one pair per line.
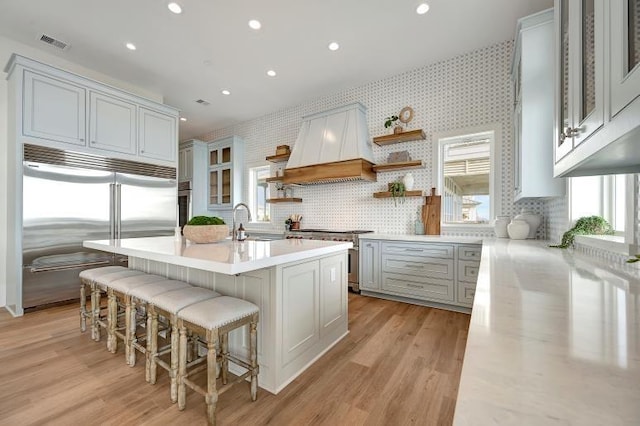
x,y
554,338
226,257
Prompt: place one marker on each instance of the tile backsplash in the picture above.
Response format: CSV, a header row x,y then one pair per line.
x,y
463,92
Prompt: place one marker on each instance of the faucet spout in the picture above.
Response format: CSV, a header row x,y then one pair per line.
x,y
234,235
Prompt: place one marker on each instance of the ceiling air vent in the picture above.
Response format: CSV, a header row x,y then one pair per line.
x,y
203,102
55,43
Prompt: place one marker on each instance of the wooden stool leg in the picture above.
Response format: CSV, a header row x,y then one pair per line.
x,y
173,373
211,399
112,321
95,309
182,366
253,354
152,344
127,332
83,308
224,348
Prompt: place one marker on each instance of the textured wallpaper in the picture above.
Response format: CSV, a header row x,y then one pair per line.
x,y
465,91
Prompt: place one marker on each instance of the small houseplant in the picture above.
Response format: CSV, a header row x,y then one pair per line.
x,y
205,229
588,225
398,191
391,121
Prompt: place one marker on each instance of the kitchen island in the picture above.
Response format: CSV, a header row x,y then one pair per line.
x,y
300,287
554,338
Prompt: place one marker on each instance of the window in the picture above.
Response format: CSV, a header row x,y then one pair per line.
x,y
465,177
601,196
259,193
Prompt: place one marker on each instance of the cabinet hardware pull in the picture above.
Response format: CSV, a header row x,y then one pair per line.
x,y
415,285
413,266
81,139
414,249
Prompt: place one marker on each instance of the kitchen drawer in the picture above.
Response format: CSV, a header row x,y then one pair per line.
x,y
443,251
469,252
468,271
415,265
418,287
466,293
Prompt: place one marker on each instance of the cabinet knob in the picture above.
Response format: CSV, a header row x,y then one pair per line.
x,y
81,139
142,151
93,141
569,133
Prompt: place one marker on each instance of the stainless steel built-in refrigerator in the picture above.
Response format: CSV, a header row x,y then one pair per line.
x,y
70,197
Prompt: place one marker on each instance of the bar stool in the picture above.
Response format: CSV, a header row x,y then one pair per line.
x,y
88,279
119,294
212,320
168,305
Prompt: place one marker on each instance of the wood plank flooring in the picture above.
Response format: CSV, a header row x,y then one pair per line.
x,y
399,365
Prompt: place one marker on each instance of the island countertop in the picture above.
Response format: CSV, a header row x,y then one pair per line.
x,y
225,257
554,338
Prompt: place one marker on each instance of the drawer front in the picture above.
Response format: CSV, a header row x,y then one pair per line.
x,y
468,271
442,251
422,266
418,287
466,293
469,252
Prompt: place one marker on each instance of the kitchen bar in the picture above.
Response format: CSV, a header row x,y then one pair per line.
x,y
300,287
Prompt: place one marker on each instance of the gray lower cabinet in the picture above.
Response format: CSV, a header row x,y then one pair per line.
x,y
445,273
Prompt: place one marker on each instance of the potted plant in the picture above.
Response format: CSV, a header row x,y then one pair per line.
x,y
205,229
392,121
398,191
589,225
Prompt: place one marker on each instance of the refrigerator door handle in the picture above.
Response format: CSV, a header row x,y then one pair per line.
x,y
118,210
112,211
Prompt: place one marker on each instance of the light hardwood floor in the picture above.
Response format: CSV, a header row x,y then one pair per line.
x,y
399,365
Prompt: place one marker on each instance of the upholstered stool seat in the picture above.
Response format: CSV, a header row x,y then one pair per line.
x,y
168,305
119,292
212,320
88,278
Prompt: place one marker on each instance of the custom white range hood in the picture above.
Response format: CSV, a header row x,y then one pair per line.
x,y
332,146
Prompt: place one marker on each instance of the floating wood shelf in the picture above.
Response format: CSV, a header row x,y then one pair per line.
x,y
397,166
284,200
387,194
411,135
274,179
278,158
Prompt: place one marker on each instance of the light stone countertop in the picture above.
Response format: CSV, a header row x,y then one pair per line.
x,y
226,257
554,338
422,238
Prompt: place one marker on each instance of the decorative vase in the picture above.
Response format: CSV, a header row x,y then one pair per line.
x,y
534,221
408,182
500,226
397,130
518,229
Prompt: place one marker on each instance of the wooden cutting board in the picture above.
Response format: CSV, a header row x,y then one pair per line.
x,y
431,213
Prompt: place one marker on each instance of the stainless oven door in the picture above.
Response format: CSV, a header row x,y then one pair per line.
x,y
353,269
184,207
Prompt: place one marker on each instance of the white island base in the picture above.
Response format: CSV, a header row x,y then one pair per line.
x,y
303,304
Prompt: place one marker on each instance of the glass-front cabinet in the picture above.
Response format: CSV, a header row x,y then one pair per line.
x,y
625,54
225,172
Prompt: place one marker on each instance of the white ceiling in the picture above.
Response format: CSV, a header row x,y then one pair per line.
x,y
210,46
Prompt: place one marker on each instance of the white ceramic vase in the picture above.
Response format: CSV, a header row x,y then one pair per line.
x,y
518,229
534,221
500,226
408,182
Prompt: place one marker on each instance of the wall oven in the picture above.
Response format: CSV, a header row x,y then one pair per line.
x,y
184,202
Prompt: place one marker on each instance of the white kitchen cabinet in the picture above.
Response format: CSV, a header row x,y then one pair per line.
x,y
333,293
112,123
532,74
597,88
53,109
369,263
158,137
185,163
225,172
193,167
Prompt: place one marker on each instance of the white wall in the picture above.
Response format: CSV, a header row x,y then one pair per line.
x,y
8,47
467,91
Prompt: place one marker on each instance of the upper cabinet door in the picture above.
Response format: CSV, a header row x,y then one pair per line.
x,y
563,118
112,124
625,53
158,135
586,40
53,109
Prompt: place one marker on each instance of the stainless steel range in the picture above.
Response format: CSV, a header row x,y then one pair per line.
x,y
329,235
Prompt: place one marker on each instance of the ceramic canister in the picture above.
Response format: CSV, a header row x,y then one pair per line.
x,y
500,226
534,221
408,182
518,229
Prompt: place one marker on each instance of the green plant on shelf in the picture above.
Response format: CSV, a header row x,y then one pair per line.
x,y
398,192
588,225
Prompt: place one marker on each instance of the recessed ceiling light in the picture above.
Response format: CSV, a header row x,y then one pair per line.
x,y
334,46
271,73
175,8
255,24
183,119
226,92
131,46
422,8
